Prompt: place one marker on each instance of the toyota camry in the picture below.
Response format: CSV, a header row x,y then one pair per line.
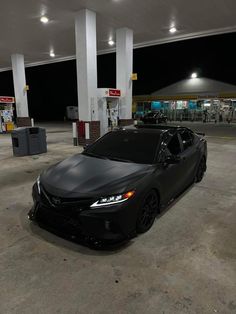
x,y
117,186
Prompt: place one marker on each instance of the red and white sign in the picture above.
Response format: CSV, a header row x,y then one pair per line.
x,y
109,92
114,92
7,100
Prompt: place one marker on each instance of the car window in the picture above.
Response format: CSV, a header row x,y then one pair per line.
x,y
138,147
187,139
174,145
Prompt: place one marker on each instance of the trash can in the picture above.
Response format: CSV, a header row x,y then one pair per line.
x,y
29,141
37,140
20,142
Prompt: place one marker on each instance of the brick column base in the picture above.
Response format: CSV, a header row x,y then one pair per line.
x,y
94,132
126,122
23,121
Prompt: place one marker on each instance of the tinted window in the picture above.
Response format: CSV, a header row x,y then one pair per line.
x,y
130,146
187,139
174,145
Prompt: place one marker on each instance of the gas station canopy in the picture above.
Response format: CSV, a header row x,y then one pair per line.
x,y
21,30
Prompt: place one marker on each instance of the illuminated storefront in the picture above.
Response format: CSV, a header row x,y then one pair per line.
x,y
184,105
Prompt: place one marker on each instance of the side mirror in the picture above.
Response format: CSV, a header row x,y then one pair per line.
x,y
172,159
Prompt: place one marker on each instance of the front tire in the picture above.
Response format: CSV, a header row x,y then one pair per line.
x,y
148,212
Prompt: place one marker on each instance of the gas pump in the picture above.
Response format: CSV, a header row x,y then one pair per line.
x,y
113,112
6,113
108,108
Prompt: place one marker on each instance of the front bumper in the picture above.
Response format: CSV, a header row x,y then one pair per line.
x,y
108,224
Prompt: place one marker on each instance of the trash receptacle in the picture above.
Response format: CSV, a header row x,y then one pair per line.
x,y
20,142
37,140
29,141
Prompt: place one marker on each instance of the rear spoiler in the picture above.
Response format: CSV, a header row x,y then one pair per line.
x,y
199,133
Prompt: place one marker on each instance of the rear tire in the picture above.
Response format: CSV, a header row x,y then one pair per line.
x,y
201,169
148,212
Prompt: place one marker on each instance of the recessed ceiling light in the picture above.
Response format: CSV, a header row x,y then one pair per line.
x,y
172,30
52,54
44,19
111,42
194,75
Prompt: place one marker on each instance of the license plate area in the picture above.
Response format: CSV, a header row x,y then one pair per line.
x,y
56,220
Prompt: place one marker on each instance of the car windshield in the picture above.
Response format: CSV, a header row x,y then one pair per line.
x,y
138,147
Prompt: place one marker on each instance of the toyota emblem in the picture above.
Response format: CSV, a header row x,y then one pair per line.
x,y
56,200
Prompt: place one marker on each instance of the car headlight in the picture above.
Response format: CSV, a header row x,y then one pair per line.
x,y
113,199
38,184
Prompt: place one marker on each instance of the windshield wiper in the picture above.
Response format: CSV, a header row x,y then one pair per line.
x,y
94,155
119,159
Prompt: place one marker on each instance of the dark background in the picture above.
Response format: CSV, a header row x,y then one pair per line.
x,y
54,86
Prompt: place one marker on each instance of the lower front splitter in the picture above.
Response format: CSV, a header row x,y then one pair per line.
x,y
72,232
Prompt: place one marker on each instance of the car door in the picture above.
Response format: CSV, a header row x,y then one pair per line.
x,y
170,177
190,155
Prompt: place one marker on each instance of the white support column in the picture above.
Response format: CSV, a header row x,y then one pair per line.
x,y
86,60
18,68
124,70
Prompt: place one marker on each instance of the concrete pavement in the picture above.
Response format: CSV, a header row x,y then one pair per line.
x,y
185,264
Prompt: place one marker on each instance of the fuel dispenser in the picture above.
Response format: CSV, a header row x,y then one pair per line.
x,y
108,108
6,113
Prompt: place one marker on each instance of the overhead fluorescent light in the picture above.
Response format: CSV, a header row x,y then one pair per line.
x,y
52,54
44,19
194,75
111,42
172,30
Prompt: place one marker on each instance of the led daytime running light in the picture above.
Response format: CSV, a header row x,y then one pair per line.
x,y
113,199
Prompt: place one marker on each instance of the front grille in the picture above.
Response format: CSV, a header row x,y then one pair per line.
x,y
57,222
68,207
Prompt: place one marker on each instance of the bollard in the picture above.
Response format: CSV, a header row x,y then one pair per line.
x,y
87,131
32,122
74,131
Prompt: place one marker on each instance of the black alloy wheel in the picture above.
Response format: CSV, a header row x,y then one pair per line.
x,y
148,212
200,171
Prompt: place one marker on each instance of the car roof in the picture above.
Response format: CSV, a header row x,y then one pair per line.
x,y
151,129
134,130
161,128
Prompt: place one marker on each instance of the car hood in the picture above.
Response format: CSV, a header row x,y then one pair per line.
x,y
85,176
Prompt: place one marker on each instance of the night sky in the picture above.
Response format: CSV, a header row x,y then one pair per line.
x,y
53,86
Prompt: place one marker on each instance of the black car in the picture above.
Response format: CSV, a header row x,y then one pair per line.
x,y
117,186
154,118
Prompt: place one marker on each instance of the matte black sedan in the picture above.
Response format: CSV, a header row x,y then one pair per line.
x,y
117,186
